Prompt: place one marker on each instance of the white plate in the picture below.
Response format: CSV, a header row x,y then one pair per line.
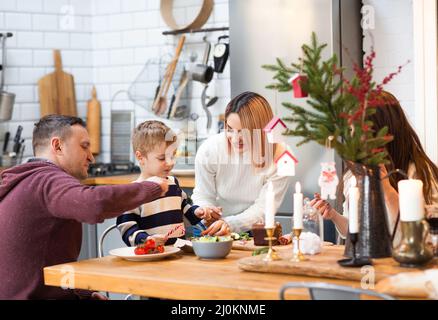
x,y
127,253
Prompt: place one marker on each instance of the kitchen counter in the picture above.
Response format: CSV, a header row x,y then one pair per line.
x,y
185,181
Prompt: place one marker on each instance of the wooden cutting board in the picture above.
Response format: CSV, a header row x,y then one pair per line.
x,y
250,246
57,91
93,122
325,265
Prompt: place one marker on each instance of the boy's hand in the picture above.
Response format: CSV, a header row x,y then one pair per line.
x,y
164,183
160,239
324,208
209,213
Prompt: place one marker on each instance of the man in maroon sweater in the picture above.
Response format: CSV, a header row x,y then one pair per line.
x,y
42,206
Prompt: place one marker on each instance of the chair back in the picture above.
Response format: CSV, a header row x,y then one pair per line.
x,y
327,291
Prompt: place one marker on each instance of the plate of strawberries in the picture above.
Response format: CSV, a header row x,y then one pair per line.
x,y
146,251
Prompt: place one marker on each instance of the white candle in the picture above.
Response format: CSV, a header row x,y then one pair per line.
x,y
353,207
411,200
298,207
270,206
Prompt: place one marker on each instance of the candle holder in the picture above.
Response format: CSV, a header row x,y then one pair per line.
x,y
413,250
355,261
271,255
298,255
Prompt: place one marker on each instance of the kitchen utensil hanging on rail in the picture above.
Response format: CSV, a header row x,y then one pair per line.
x,y
177,95
57,91
220,54
7,99
159,105
203,72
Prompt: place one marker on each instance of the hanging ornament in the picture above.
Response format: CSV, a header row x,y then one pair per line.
x,y
328,179
274,130
297,82
286,163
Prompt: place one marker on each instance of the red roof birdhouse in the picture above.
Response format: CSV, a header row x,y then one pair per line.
x,y
274,130
286,164
296,82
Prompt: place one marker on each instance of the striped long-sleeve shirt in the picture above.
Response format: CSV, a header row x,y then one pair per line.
x,y
158,217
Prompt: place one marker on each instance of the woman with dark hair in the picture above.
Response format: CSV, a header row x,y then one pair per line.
x,y
233,168
405,153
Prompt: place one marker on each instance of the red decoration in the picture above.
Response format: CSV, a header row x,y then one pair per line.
x,y
296,83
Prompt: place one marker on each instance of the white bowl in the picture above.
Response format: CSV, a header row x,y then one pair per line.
x,y
212,250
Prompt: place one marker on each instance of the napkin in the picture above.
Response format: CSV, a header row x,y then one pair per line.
x,y
310,243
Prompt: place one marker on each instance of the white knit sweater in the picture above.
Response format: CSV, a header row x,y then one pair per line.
x,y
231,182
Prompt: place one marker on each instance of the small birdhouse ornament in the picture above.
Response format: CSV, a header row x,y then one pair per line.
x,y
328,180
296,82
274,130
286,164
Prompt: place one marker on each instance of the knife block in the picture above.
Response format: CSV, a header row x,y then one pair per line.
x,y
7,161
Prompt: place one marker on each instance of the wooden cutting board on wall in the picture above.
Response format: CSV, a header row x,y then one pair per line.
x,y
57,91
93,122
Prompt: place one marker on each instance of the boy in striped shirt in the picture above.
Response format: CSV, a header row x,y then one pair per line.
x,y
155,146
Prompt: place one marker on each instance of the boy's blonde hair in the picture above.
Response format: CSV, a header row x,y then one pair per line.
x,y
149,134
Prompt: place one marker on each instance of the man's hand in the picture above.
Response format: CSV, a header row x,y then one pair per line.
x,y
164,183
218,228
323,207
209,213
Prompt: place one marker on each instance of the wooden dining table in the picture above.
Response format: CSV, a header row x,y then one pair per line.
x,y
181,276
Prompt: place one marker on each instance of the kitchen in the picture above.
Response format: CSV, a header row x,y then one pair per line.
x,y
117,52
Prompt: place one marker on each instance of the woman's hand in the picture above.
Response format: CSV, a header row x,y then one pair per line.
x,y
218,228
323,207
209,213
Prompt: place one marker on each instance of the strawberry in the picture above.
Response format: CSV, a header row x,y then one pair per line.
x,y
160,249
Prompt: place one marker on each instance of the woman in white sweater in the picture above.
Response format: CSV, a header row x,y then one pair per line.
x,y
233,168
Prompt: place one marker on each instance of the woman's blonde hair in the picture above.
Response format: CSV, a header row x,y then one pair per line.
x,y
255,113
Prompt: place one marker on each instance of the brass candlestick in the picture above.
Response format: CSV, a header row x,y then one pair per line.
x,y
271,255
298,255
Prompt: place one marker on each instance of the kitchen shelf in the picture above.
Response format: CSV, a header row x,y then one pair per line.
x,y
175,32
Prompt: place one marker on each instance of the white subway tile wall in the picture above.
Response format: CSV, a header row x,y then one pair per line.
x,y
393,41
106,43
39,26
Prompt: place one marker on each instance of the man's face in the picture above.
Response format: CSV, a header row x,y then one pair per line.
x,y
158,162
75,155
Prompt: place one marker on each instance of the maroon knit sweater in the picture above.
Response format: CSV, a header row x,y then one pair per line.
x,y
41,210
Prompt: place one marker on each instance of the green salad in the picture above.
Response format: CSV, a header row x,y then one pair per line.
x,y
212,239
240,236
